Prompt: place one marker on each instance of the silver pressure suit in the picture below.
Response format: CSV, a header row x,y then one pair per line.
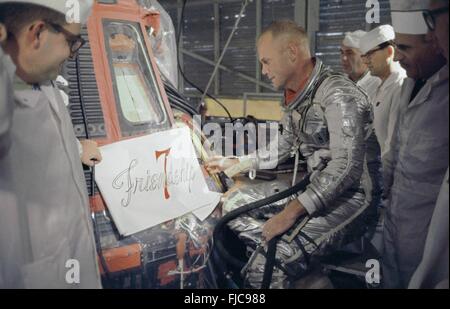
x,y
330,124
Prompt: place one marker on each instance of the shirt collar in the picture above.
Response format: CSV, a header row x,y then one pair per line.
x,y
440,77
397,73
436,80
292,97
365,75
26,94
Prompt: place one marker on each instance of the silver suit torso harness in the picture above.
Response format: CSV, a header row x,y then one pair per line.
x,y
307,117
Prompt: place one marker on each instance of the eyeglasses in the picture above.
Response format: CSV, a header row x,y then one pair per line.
x,y
380,47
75,41
371,52
430,17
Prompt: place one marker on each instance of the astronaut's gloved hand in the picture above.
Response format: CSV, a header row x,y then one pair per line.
x,y
219,164
90,153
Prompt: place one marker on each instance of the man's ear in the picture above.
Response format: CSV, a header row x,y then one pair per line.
x,y
431,40
391,51
429,37
3,33
293,51
34,32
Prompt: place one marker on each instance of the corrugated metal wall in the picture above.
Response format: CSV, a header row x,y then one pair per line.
x,y
241,55
338,17
198,37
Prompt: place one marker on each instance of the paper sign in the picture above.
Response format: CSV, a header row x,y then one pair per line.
x,y
150,180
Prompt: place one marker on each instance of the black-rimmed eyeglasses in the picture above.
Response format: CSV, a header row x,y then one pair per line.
x,y
379,47
430,17
75,41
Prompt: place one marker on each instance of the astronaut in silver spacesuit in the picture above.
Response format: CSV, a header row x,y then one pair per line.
x,y
328,120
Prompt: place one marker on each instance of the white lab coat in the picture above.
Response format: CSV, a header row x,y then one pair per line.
x,y
51,191
385,106
433,270
61,80
7,70
370,85
10,239
414,169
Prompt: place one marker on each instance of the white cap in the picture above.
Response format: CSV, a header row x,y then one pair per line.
x,y
407,16
76,11
352,39
377,36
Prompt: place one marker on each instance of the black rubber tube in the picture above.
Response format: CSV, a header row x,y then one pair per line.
x,y
220,227
178,101
270,263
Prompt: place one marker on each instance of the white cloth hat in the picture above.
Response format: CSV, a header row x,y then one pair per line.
x,y
76,11
407,16
377,36
352,39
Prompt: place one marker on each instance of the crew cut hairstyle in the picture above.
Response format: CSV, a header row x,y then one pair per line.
x,y
289,29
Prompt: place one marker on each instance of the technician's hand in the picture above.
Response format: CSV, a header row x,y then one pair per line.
x,y
91,154
219,164
282,222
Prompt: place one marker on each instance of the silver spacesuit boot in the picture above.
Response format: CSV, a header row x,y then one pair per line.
x,y
330,124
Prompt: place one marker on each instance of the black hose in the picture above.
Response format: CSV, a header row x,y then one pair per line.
x,y
270,263
97,233
220,227
176,100
182,107
80,92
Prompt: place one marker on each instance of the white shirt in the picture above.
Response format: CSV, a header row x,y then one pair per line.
x,y
385,106
49,92
433,270
370,84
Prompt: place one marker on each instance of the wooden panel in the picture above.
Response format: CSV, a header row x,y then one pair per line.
x,y
260,109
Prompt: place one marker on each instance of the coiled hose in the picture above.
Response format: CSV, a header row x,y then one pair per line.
x,y
220,227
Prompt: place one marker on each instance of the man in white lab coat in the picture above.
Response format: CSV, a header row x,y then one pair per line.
x,y
88,149
7,70
417,160
354,66
10,244
378,51
55,224
434,267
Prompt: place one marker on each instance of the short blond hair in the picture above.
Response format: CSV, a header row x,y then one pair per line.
x,y
290,30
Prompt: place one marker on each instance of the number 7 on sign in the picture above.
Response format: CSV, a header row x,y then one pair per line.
x,y
166,155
